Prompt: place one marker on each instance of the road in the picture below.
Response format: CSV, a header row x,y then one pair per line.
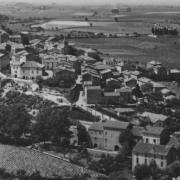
x,y
81,103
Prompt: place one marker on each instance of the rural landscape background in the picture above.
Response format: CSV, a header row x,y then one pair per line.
x,y
140,20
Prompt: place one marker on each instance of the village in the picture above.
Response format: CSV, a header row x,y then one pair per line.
x,y
123,115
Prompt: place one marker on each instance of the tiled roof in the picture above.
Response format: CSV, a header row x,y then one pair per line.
x,y
145,148
1,54
124,110
123,89
97,126
175,71
144,79
174,141
105,71
32,64
65,68
103,67
154,117
165,91
87,58
111,94
111,79
136,73
151,130
115,124
155,63
129,79
23,52
94,87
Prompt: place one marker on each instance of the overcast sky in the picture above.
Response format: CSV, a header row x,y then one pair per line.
x,y
84,2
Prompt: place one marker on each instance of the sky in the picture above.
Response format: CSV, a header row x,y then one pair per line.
x,y
93,2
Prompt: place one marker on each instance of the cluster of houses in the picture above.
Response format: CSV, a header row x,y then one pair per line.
x,y
109,83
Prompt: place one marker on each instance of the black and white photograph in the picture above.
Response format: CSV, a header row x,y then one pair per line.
x,y
89,89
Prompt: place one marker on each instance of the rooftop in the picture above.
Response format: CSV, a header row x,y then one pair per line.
x,y
65,68
151,130
154,117
124,110
111,94
94,87
105,71
145,148
32,64
165,91
98,126
174,71
144,79
15,36
154,63
1,54
115,125
123,89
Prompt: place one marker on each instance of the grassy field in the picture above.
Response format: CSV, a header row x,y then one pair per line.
x,y
164,49
140,20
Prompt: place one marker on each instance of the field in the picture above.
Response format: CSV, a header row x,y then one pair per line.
x,y
143,49
139,20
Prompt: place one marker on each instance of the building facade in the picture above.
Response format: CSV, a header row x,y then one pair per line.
x,y
105,135
144,153
21,68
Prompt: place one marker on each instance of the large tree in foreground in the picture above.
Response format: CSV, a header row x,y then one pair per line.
x,y
52,124
14,120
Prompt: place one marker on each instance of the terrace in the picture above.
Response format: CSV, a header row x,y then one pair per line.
x,y
29,160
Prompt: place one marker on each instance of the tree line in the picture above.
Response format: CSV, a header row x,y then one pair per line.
x,y
164,31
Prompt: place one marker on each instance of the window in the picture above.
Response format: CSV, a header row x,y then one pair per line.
x,y
106,140
105,133
137,160
145,161
162,164
154,140
147,140
32,72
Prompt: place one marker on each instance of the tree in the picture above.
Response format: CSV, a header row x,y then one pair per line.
x,y
52,124
108,164
14,120
127,139
83,135
141,172
137,91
